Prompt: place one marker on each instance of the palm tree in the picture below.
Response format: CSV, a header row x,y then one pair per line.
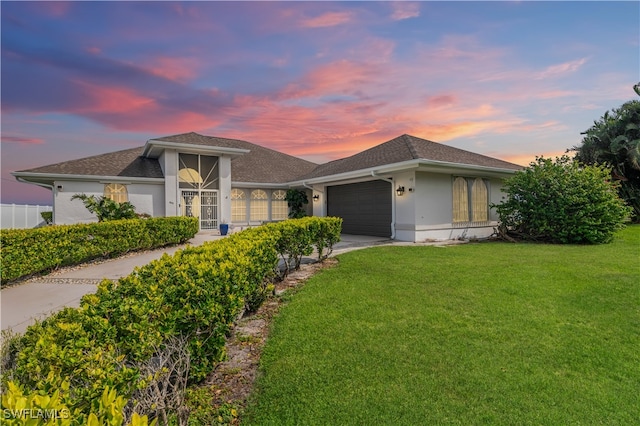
x,y
615,140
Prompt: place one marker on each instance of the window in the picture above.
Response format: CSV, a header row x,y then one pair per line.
x,y
117,192
480,201
238,206
259,206
470,200
279,206
460,200
197,171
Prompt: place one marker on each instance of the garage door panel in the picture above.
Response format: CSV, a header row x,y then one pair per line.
x,y
364,207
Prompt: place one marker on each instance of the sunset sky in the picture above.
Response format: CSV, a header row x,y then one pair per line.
x,y
319,80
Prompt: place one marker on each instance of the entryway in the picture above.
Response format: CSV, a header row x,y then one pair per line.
x,y
202,204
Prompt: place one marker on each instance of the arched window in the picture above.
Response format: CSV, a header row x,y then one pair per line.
x,y
117,192
279,207
259,206
460,200
480,200
238,206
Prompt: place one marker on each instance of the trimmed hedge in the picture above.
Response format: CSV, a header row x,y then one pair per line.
x,y
197,293
29,251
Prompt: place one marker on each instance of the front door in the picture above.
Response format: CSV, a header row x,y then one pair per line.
x,y
202,204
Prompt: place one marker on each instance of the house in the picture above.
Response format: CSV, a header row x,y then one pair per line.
x,y
408,188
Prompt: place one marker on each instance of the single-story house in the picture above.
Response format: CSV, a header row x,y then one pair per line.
x,y
408,188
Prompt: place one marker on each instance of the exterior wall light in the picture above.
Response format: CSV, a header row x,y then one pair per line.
x,y
400,191
316,198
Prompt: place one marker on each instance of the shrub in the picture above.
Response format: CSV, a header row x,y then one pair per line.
x,y
562,201
47,217
296,200
29,251
120,332
107,209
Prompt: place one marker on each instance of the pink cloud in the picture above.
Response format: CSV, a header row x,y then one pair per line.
x,y
560,69
329,19
405,10
176,69
55,9
113,100
22,140
440,101
339,77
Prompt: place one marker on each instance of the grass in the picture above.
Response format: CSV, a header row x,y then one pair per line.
x,y
486,333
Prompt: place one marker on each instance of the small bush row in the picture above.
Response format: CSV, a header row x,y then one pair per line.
x,y
195,295
30,251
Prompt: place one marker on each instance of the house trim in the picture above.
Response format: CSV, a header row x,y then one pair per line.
x,y
151,152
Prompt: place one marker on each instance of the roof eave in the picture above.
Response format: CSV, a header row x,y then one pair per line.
x,y
52,177
259,185
153,147
446,166
421,163
388,168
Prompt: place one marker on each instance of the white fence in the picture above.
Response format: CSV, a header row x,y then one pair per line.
x,y
21,215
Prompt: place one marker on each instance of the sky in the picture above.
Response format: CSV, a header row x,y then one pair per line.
x,y
318,80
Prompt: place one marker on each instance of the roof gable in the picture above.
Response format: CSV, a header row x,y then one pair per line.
x,y
259,165
406,148
266,166
125,163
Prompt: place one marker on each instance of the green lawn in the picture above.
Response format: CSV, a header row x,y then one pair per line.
x,y
488,333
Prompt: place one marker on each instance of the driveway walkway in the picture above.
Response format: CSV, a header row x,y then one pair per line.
x,y
40,297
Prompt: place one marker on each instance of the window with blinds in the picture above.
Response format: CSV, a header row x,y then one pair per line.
x,y
117,192
238,205
470,200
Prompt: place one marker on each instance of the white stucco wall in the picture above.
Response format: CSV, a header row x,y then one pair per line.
x,y
224,166
169,164
146,198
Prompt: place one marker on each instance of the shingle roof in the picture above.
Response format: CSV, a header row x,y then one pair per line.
x,y
264,165
405,148
126,163
259,165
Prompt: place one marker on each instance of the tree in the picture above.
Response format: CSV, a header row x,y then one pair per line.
x,y
562,201
296,200
614,140
107,209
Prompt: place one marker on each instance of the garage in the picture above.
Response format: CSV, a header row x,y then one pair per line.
x,y
365,208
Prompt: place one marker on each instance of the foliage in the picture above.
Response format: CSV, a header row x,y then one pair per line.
x,y
47,217
105,208
296,200
614,140
562,202
203,412
472,334
52,408
29,251
118,335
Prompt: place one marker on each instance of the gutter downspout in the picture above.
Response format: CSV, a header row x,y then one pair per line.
x,y
311,188
53,194
393,203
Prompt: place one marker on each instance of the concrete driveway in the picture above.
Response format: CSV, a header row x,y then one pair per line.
x,y
38,298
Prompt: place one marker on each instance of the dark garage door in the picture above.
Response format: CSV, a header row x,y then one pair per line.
x,y
364,207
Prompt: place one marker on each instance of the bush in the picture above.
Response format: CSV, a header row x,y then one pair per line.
x,y
296,200
106,209
47,217
29,251
194,295
562,201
